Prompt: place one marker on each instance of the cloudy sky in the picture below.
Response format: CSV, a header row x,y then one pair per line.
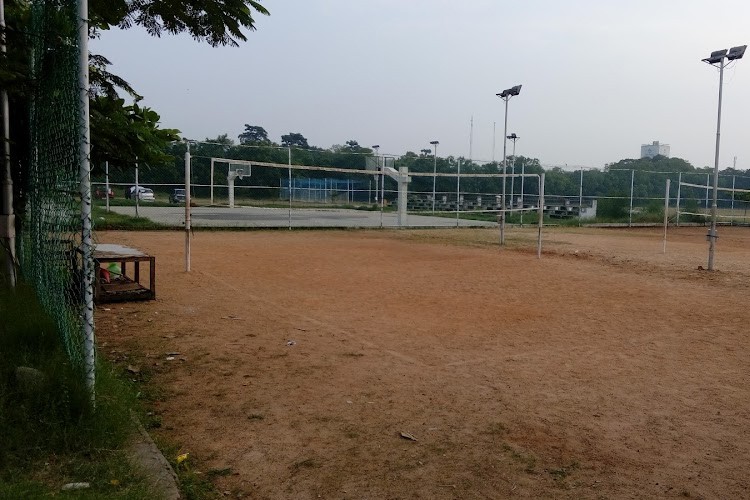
x,y
599,78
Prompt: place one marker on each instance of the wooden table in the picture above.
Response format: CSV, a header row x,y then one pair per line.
x,y
123,287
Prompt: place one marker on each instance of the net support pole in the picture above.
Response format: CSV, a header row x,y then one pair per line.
x,y
187,207
580,198
7,222
541,217
87,246
734,179
632,185
458,189
523,176
679,188
289,177
212,181
666,215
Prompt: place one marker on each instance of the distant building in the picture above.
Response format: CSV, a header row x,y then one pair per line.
x,y
653,149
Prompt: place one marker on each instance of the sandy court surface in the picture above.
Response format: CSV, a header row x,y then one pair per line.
x,y
604,370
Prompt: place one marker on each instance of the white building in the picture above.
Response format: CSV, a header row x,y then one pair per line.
x,y
653,149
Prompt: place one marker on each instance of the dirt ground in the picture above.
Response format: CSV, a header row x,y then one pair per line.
x,y
606,369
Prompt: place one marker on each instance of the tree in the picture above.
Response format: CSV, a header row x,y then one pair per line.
x,y
295,140
217,22
253,134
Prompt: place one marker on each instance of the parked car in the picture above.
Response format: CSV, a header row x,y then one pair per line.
x,y
101,193
177,196
143,193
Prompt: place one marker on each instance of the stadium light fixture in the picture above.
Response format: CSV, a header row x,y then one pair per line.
x,y
434,172
718,57
505,95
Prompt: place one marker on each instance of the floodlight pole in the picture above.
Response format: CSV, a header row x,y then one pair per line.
x,y
714,209
434,172
720,57
505,95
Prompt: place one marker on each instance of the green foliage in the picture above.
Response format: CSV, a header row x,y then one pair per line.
x,y
123,134
612,209
106,221
254,134
294,139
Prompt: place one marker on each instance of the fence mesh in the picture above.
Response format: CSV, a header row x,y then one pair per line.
x,y
51,230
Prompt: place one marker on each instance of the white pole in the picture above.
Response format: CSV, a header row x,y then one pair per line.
x,y
679,188
666,216
632,184
289,175
87,245
9,234
137,188
212,181
381,163
523,172
513,175
734,178
580,198
106,182
434,176
471,136
187,207
541,217
458,189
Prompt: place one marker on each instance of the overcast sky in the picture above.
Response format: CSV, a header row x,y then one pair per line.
x,y
599,78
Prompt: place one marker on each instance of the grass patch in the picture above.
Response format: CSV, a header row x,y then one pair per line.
x,y
104,220
51,435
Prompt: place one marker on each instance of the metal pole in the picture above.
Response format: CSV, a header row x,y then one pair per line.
x,y
187,207
580,198
381,165
458,189
512,174
377,166
106,182
523,176
714,207
734,178
434,176
505,164
137,187
9,233
679,188
289,176
666,215
87,245
212,181
541,217
632,183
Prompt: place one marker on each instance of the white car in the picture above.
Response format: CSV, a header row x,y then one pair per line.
x,y
144,193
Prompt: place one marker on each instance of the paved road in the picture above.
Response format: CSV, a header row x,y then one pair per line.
x,y
279,217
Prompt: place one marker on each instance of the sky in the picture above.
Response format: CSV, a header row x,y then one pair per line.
x,y
599,78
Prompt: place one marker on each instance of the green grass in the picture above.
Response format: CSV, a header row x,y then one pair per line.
x,y
104,220
51,435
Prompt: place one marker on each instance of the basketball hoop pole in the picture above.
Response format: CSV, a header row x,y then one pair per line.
x,y
187,206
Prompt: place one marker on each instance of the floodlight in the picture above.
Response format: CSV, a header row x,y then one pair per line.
x,y
513,136
376,146
515,90
434,143
716,56
736,52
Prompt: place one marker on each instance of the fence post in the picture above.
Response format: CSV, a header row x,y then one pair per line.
x,y
541,217
666,215
679,188
106,183
580,198
632,184
734,178
187,206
